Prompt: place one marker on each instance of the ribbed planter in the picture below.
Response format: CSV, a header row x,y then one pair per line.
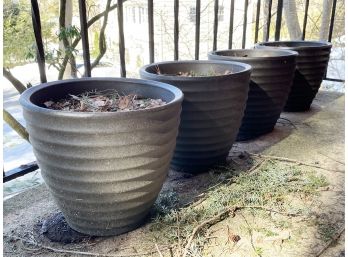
x,y
311,66
104,170
271,80
212,109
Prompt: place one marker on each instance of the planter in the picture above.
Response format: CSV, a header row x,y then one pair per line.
x,y
311,66
106,169
271,80
212,109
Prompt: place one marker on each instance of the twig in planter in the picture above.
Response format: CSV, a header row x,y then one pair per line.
x,y
294,161
56,250
335,238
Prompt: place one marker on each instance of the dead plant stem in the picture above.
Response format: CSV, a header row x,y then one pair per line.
x,y
229,212
278,158
159,251
53,249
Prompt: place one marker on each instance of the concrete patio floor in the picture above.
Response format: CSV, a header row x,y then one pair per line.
x,y
315,137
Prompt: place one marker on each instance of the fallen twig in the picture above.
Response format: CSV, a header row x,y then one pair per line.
x,y
252,170
229,212
159,251
289,121
332,158
330,242
207,222
53,249
278,158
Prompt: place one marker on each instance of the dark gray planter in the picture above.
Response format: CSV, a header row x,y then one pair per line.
x,y
104,170
311,66
212,110
271,80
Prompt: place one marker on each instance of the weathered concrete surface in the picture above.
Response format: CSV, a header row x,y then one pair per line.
x,y
315,137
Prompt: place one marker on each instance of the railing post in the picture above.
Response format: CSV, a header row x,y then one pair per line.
x,y
84,38
269,16
35,16
245,20
216,14
151,31
176,30
258,7
305,20
198,25
279,20
230,33
332,20
121,37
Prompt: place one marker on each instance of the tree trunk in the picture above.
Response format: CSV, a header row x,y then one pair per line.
x,y
265,15
291,18
70,69
325,20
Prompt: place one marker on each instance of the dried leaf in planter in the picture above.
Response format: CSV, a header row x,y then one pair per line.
x,y
124,102
99,103
103,101
48,103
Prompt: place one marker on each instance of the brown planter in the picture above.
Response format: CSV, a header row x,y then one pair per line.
x,y
104,170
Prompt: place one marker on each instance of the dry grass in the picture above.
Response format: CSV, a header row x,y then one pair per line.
x,y
267,189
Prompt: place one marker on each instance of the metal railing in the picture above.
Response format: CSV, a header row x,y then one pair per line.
x,y
24,169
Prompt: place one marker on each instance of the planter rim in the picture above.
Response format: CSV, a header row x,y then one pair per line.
x,y
282,53
312,44
150,75
27,103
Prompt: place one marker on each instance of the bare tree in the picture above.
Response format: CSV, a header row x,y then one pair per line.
x,y
291,18
325,20
68,13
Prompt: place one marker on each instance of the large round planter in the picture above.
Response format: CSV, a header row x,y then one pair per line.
x,y
271,80
104,170
311,66
212,109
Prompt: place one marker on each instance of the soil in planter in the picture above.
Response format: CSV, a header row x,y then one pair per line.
x,y
194,73
103,101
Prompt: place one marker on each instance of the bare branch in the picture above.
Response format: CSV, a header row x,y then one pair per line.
x,y
102,43
15,82
15,125
77,40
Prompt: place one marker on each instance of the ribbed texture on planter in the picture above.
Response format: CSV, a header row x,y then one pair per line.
x,y
311,66
271,80
211,113
104,170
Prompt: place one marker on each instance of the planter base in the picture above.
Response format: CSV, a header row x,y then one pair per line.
x,y
249,136
195,169
109,232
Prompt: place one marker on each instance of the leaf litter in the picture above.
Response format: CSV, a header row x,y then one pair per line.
x,y
103,101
